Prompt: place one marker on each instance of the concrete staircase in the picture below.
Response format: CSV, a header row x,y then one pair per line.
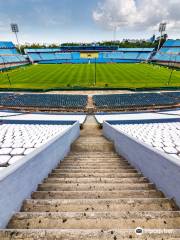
x,y
94,194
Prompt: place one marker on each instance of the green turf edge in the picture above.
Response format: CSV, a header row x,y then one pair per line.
x,y
88,89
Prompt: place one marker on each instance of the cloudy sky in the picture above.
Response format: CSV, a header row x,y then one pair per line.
x,y
87,20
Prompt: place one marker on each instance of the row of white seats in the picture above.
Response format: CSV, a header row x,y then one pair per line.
x,y
18,140
44,117
164,137
136,116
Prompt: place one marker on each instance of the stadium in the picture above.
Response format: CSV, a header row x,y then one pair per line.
x,y
91,67
90,138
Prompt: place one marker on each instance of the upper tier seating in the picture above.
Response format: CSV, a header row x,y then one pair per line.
x,y
63,56
35,57
47,55
112,55
9,55
133,100
172,43
130,55
170,52
144,56
8,51
135,49
6,45
43,100
40,50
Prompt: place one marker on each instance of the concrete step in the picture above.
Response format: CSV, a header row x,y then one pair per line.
x,y
94,205
95,162
93,166
100,143
94,187
97,194
91,140
118,170
97,180
96,220
93,154
93,147
95,139
88,234
98,159
106,175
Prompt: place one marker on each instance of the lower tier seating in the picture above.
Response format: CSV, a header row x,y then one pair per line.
x,y
43,100
133,100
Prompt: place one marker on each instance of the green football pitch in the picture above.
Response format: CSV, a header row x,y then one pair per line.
x,y
90,76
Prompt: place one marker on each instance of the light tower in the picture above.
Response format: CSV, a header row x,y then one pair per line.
x,y
15,29
162,29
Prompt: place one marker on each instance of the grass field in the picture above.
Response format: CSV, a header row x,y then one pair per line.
x,y
83,75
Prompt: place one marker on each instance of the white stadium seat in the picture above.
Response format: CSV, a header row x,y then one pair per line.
x,y
15,159
164,137
19,140
4,159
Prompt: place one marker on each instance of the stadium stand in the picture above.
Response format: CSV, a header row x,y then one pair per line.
x,y
159,129
163,136
111,101
43,117
136,54
48,55
9,56
43,100
18,140
169,53
133,100
133,117
84,55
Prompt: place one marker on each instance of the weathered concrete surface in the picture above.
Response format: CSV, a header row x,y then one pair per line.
x,y
94,195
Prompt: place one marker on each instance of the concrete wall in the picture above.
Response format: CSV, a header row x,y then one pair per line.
x,y
161,169
18,181
170,64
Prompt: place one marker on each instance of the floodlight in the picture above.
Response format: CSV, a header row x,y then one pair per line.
x,y
162,27
15,29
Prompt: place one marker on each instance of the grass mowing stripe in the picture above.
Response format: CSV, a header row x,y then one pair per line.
x,y
83,75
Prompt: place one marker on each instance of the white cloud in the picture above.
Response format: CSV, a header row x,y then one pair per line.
x,y
137,14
